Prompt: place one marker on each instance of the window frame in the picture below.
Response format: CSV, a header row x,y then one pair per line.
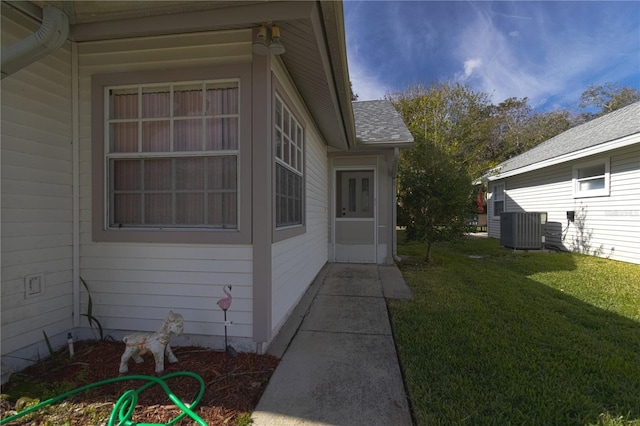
x,y
494,200
576,180
101,231
287,231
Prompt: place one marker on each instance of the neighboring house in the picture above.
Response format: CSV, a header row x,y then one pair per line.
x,y
590,173
161,150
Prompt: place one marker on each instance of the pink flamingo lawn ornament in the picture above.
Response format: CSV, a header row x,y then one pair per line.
x,y
224,304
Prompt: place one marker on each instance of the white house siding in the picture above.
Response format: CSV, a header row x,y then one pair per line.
x,y
296,261
36,199
605,226
133,286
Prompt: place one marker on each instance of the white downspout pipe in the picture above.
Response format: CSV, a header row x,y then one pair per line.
x,y
394,215
51,36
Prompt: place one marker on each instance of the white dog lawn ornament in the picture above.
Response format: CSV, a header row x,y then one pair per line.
x,y
157,343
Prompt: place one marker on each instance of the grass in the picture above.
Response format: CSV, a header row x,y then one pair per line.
x,y
497,337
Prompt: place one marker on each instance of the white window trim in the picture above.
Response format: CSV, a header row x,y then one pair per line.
x,y
493,200
575,181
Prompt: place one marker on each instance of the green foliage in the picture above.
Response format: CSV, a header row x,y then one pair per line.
x,y
608,97
92,320
434,176
497,337
516,129
48,343
451,117
243,419
435,195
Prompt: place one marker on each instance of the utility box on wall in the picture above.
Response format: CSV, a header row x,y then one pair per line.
x,y
522,230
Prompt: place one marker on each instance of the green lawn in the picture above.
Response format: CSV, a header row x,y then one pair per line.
x,y
497,337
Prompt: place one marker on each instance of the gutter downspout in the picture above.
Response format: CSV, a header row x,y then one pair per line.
x,y
75,119
51,36
394,196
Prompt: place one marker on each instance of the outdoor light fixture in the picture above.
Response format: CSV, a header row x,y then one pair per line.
x,y
276,46
262,46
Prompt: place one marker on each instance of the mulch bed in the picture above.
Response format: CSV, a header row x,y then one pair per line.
x,y
233,385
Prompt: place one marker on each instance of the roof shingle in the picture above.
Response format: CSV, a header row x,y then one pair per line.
x,y
378,122
615,125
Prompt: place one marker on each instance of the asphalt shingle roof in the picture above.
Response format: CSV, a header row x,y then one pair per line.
x,y
615,125
378,122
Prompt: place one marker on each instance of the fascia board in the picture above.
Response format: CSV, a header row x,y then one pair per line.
x,y
576,155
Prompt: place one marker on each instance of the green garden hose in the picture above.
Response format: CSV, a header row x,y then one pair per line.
x,y
123,409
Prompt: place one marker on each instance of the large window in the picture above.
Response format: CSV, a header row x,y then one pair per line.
x,y
289,142
172,155
498,199
591,179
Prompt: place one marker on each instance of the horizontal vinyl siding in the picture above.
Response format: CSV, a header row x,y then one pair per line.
x,y
36,195
133,286
604,226
297,260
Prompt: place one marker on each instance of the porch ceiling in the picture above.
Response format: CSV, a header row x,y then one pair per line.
x,y
312,32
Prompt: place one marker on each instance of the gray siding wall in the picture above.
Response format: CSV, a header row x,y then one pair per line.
x,y
296,261
133,286
36,199
605,226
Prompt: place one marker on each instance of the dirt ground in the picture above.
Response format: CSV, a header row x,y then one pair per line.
x,y
233,386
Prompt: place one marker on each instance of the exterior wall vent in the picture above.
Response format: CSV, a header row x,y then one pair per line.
x,y
522,230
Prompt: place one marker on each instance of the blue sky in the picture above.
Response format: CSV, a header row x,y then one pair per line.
x,y
548,51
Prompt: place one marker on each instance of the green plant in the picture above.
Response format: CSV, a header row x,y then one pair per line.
x,y
92,320
46,340
243,419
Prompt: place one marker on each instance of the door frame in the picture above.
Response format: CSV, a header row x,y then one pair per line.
x,y
333,205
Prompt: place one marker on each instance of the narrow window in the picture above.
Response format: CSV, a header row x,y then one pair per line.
x,y
498,199
289,143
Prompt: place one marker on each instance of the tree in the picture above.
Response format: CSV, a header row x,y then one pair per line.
x,y
354,96
607,97
449,126
435,196
452,117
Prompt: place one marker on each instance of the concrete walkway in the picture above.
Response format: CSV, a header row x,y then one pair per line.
x,y
341,366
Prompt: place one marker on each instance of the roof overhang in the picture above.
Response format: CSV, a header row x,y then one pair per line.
x,y
496,174
371,146
312,31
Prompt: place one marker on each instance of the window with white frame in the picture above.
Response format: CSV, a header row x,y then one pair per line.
x,y
172,155
289,143
498,199
591,179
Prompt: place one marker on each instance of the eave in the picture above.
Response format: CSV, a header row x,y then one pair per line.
x,y
312,32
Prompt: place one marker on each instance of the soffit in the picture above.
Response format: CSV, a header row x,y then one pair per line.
x,y
312,32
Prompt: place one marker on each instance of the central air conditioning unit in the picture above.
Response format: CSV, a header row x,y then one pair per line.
x,y
522,230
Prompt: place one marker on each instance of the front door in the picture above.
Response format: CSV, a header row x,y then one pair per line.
x,y
355,218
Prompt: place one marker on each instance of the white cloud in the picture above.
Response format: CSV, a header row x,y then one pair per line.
x,y
537,60
470,65
366,85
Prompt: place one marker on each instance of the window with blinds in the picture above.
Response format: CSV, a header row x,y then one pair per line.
x,y
172,154
591,179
